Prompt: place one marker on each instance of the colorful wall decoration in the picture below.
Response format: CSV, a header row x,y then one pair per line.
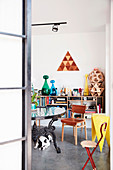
x,y
68,64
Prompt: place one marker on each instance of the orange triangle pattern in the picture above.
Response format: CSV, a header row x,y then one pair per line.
x,y
68,64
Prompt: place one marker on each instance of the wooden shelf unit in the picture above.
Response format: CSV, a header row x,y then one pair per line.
x,y
56,104
88,100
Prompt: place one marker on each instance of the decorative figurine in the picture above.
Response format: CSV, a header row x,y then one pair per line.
x,y
45,88
53,91
62,92
96,79
80,91
86,90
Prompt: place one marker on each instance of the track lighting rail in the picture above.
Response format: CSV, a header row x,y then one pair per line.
x,y
54,23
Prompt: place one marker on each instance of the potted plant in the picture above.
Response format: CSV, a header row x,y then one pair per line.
x,y
34,103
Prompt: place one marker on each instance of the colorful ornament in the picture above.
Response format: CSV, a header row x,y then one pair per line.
x,y
96,79
86,90
45,88
53,91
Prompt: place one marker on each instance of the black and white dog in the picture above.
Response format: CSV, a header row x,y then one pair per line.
x,y
43,142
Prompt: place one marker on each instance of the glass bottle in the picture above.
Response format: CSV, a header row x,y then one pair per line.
x,y
53,91
45,88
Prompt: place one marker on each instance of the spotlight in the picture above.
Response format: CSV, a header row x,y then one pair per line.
x,y
55,28
55,25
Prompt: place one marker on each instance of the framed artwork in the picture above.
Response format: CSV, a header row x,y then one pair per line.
x,y
68,64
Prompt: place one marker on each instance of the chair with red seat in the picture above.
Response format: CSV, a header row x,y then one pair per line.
x,y
90,144
75,121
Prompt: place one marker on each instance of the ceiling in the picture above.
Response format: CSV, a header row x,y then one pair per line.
x,y
80,15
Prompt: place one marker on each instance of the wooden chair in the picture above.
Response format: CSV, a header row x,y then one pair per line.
x,y
75,121
90,144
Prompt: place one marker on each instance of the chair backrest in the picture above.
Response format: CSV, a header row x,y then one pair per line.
x,y
101,131
78,109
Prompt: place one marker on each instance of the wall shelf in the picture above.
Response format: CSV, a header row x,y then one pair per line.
x,y
56,104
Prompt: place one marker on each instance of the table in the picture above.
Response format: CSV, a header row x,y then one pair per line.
x,y
47,130
97,120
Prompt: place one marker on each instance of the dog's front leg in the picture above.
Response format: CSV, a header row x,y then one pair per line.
x,y
36,146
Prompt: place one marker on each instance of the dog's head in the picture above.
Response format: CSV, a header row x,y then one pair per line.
x,y
43,143
50,138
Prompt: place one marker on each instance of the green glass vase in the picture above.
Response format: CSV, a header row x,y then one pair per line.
x,y
45,88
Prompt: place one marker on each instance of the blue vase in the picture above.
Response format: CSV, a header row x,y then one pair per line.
x,y
53,91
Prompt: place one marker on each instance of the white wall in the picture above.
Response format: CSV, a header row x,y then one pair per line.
x,y
107,71
48,51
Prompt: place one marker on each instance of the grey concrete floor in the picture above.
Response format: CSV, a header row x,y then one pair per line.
x,y
71,157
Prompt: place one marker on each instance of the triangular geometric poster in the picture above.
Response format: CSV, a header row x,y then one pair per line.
x,y
68,64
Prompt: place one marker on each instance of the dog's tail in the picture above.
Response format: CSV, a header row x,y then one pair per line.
x,y
55,118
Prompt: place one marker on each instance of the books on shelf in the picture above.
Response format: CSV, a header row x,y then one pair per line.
x,y
99,109
41,101
47,100
69,113
61,102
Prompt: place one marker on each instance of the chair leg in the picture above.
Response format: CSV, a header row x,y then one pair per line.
x,y
39,122
81,123
85,130
62,132
81,127
75,135
91,159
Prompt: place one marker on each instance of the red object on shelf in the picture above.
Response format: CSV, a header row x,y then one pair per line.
x,y
99,108
80,91
47,100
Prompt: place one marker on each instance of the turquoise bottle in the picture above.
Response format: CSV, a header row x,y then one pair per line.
x,y
45,88
53,91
